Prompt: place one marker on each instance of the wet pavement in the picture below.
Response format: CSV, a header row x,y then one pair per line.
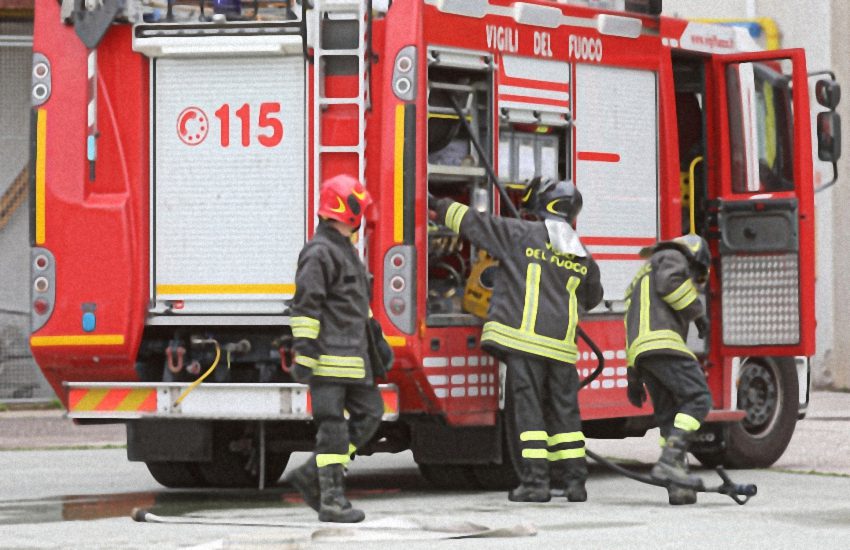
x,y
72,486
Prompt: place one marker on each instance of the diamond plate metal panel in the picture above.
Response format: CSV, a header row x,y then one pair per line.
x,y
761,300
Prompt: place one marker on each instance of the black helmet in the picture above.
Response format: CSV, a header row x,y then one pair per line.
x,y
691,245
548,198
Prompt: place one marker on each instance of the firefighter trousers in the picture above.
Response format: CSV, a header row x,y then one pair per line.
x,y
336,437
679,392
546,420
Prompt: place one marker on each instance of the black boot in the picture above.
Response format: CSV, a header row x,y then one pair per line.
x,y
678,495
334,507
576,491
568,478
305,478
672,465
534,482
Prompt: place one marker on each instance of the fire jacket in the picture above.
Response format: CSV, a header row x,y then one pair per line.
x,y
537,291
330,310
661,301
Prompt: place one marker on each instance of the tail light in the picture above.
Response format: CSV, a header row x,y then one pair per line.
x,y
400,287
42,287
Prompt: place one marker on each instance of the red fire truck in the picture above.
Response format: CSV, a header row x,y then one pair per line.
x,y
177,153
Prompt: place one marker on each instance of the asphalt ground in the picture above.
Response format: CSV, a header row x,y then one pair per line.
x,y
821,441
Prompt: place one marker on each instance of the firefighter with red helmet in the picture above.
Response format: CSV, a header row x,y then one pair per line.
x,y
545,278
661,302
330,316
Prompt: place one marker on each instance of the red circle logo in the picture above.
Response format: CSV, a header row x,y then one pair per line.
x,y
192,126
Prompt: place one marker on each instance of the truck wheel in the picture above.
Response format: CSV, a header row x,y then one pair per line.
x,y
768,392
235,462
502,477
176,475
450,476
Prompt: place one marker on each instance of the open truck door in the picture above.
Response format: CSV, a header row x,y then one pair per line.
x,y
764,241
765,205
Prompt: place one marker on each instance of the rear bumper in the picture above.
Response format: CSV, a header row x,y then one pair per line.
x,y
130,401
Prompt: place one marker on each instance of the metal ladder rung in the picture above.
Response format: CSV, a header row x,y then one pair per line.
x,y
340,101
354,52
352,6
339,148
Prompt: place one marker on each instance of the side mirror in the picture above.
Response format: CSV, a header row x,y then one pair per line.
x,y
828,93
649,7
829,136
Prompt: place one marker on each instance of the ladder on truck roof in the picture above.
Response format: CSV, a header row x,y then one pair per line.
x,y
335,12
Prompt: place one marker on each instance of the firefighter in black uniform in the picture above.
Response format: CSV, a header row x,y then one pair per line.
x,y
661,302
330,316
545,278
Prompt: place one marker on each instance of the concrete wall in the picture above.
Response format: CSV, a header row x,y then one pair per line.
x,y
836,366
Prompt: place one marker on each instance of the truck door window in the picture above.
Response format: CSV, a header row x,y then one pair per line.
x,y
761,123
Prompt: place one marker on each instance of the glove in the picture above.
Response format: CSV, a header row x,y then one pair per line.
x,y
432,201
300,373
702,327
381,356
635,391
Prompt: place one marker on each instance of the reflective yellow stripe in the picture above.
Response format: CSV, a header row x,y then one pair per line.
x,y
565,454
535,453
558,350
662,441
650,340
135,399
40,174
227,289
396,341
305,361
77,340
342,361
533,436
532,292
454,215
340,366
305,327
685,301
686,422
328,459
655,340
91,400
351,448
572,284
398,175
682,297
567,437
524,338
644,305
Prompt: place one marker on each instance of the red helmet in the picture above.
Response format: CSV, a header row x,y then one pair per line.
x,y
343,198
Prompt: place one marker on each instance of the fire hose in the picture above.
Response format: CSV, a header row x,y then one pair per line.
x,y
739,492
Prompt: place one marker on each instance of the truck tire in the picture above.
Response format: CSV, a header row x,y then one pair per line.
x,y
768,391
235,462
176,475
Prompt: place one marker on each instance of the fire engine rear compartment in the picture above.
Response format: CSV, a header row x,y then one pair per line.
x,y
228,176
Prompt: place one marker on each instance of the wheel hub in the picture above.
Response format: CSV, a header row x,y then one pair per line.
x,y
758,395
